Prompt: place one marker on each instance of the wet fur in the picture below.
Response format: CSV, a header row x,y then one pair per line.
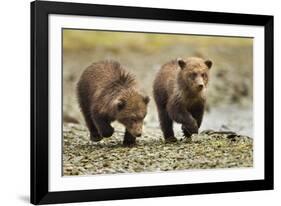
x,y
100,89
177,100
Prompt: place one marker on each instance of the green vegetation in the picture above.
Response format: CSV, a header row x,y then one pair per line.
x,y
147,42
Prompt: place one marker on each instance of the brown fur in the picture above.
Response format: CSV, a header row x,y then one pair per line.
x,y
106,92
179,92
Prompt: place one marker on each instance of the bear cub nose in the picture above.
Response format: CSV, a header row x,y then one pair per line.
x,y
138,134
200,86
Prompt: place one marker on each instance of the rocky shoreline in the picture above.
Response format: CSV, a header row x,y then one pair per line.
x,y
209,149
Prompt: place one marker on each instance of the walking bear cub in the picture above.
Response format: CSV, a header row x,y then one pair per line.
x,y
179,92
107,92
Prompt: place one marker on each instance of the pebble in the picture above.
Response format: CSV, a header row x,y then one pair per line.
x,y
88,166
69,168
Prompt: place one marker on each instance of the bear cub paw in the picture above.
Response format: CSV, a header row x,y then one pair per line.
x,y
188,131
108,132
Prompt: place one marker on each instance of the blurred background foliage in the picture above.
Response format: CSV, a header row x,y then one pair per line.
x,y
143,42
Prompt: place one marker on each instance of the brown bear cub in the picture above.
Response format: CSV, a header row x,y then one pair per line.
x,y
106,92
179,92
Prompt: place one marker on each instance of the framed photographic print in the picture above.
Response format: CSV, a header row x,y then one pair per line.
x,y
131,102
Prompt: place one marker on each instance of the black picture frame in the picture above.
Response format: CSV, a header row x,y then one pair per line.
x,y
40,110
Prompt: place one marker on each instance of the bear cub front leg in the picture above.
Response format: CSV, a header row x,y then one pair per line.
x,y
129,140
103,126
181,116
190,127
197,113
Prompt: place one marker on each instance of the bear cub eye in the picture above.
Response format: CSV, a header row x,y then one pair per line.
x,y
204,75
193,75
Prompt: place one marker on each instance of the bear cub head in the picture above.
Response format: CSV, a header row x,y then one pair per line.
x,y
131,109
194,74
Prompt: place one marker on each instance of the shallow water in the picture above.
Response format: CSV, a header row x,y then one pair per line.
x,y
230,118
224,118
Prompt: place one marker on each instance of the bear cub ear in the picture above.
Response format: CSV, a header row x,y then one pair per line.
x,y
209,63
181,63
146,99
120,104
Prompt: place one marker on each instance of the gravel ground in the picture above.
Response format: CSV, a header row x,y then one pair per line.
x,y
209,149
